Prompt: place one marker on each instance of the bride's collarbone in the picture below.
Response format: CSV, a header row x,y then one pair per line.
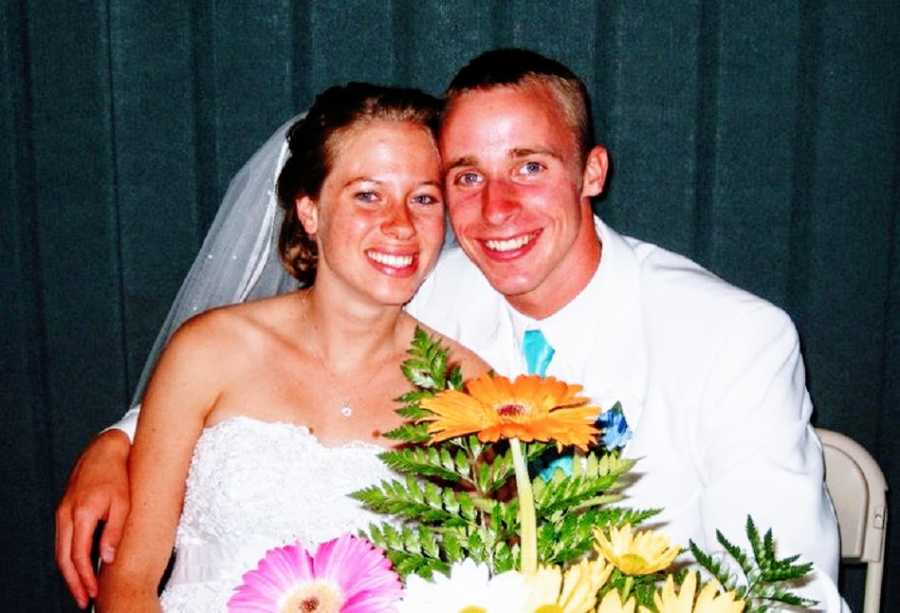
x,y
332,419
336,407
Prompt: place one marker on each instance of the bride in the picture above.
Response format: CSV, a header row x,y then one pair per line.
x,y
261,417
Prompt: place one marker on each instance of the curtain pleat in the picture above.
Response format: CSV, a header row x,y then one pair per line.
x,y
27,467
761,139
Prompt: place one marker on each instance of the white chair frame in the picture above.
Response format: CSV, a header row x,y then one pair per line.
x,y
858,489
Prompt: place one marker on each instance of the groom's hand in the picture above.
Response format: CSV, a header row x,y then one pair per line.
x,y
97,491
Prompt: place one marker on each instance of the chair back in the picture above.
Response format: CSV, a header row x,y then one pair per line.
x,y
858,489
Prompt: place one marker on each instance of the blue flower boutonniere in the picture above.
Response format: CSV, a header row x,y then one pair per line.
x,y
616,432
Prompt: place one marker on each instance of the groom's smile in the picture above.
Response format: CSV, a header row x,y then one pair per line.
x,y
510,248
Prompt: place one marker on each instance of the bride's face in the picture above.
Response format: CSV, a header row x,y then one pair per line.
x,y
379,218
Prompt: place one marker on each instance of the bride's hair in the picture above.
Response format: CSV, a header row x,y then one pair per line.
x,y
312,141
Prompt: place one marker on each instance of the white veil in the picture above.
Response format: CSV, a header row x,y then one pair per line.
x,y
239,258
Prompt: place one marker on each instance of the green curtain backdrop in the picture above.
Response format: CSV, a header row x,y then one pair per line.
x,y
759,138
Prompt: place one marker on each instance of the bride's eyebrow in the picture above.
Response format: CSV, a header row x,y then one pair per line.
x,y
377,182
361,179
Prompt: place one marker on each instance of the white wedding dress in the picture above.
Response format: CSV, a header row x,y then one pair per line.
x,y
255,485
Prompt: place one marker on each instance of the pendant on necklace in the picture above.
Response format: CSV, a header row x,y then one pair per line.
x,y
346,409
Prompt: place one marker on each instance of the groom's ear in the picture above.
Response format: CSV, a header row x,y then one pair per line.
x,y
308,214
595,170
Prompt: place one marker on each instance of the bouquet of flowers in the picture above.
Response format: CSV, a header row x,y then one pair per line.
x,y
495,513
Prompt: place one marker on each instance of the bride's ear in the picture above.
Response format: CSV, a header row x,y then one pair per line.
x,y
308,214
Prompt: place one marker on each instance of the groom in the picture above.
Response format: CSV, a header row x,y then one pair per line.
x,y
710,378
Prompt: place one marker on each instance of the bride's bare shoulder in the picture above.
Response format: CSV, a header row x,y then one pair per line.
x,y
215,350
240,326
470,363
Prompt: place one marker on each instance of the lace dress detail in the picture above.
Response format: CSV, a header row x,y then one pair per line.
x,y
254,485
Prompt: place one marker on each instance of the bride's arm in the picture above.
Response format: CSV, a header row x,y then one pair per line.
x,y
183,389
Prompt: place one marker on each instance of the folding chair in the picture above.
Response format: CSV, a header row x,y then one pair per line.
x,y
858,489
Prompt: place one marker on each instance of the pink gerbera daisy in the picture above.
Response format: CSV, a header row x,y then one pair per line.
x,y
346,575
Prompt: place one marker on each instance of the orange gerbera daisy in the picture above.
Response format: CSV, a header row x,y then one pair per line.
x,y
531,408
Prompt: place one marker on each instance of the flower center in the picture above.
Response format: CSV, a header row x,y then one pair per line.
x,y
511,410
313,597
473,609
310,604
549,608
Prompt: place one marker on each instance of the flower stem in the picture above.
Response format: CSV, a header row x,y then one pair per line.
x,y
527,519
626,590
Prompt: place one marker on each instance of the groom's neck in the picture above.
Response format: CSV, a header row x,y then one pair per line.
x,y
563,284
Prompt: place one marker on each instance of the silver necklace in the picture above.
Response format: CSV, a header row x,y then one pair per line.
x,y
345,408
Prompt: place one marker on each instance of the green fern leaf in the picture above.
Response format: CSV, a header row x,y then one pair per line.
x,y
739,555
424,503
721,573
418,374
414,397
455,379
420,462
766,576
409,433
412,412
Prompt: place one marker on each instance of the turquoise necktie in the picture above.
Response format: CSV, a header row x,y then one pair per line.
x,y
538,352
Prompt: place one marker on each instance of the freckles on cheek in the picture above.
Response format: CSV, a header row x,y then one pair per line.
x,y
430,224
357,221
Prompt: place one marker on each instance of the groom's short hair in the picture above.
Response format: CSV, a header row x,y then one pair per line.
x,y
523,68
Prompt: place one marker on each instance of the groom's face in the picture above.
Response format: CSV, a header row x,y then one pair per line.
x,y
517,190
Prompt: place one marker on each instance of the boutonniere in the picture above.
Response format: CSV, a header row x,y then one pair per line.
x,y
616,432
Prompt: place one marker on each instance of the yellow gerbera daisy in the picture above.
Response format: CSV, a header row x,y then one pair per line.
x,y
612,603
574,592
709,600
636,553
531,408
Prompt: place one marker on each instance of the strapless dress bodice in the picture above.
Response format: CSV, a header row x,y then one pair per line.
x,y
254,485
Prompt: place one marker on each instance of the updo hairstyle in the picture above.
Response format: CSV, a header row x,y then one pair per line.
x,y
313,143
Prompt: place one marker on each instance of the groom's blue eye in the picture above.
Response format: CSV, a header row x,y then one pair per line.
x,y
530,168
468,178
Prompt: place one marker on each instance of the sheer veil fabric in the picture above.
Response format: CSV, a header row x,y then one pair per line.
x,y
239,258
